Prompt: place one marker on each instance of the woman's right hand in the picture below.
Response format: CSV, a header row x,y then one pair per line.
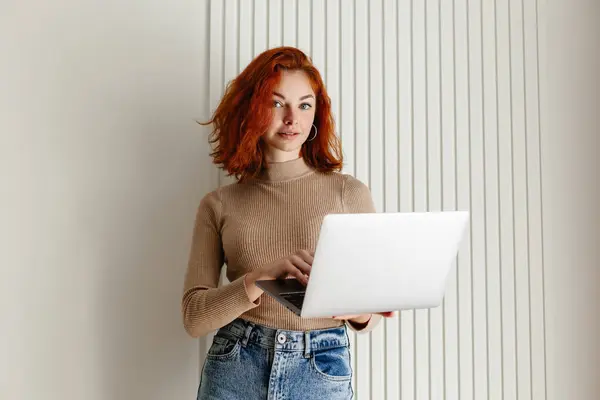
x,y
296,265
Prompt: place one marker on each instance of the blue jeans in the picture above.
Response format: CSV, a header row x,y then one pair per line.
x,y
249,361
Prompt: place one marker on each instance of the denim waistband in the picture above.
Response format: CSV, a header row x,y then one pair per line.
x,y
285,340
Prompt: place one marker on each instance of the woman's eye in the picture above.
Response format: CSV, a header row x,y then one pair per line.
x,y
305,106
277,104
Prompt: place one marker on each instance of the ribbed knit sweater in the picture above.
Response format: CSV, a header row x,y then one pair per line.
x,y
248,225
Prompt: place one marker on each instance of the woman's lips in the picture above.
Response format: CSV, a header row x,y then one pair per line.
x,y
288,135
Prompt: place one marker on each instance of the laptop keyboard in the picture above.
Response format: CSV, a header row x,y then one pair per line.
x,y
296,298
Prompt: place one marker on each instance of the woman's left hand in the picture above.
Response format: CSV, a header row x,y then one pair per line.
x,y
363,318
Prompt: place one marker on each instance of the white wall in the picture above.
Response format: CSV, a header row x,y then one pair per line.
x,y
437,106
102,167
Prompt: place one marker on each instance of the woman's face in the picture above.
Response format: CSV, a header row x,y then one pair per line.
x,y
293,105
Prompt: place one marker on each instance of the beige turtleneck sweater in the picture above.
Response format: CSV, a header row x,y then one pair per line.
x,y
249,225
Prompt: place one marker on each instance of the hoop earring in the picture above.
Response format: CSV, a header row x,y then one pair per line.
x,y
313,138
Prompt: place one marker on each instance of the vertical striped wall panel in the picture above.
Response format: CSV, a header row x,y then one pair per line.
x,y
437,106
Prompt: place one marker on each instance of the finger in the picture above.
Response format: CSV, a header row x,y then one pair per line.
x,y
344,317
302,265
306,256
302,278
295,272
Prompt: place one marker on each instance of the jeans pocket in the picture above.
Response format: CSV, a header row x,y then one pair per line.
x,y
223,347
333,364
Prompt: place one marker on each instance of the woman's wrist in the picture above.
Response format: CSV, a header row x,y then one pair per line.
x,y
250,279
253,291
362,319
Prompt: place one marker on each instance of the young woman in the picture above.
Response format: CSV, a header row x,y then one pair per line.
x,y
274,132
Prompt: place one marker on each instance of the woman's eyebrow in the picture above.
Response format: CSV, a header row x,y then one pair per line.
x,y
301,98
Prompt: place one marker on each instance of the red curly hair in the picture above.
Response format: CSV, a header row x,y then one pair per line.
x,y
245,112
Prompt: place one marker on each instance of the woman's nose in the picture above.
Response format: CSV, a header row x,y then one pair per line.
x,y
290,118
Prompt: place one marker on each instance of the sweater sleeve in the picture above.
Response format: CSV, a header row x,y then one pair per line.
x,y
206,307
357,199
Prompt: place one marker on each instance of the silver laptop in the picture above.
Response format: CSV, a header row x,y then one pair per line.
x,y
366,263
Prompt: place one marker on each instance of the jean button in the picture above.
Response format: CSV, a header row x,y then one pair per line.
x,y
281,338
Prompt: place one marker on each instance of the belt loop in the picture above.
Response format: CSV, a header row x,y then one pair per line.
x,y
347,336
247,334
306,344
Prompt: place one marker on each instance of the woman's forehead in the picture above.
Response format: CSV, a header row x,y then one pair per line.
x,y
294,84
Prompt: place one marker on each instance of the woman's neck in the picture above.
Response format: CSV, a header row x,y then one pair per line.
x,y
283,170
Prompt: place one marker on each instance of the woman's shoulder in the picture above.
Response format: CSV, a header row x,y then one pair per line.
x,y
346,182
215,196
349,182
220,199
211,201
226,194
356,195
